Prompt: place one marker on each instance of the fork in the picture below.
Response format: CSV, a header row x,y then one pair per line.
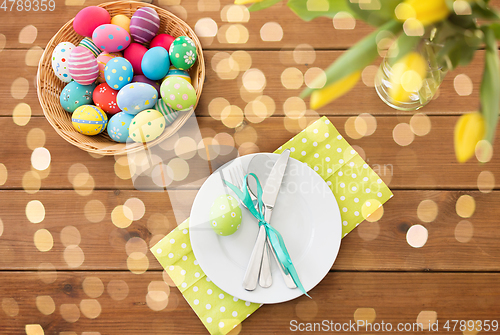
x,y
236,177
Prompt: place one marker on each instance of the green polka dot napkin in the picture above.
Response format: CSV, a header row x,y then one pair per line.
x,y
358,190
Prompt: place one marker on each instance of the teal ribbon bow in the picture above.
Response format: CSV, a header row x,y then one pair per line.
x,y
277,243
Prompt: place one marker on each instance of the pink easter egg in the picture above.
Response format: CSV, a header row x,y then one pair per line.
x,y
144,24
111,38
134,54
162,40
90,18
102,60
82,66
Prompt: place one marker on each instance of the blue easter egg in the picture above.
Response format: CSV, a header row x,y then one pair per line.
x,y
75,95
118,127
118,73
136,97
155,63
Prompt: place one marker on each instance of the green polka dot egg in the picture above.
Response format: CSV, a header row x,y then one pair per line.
x,y
225,215
147,126
182,53
178,93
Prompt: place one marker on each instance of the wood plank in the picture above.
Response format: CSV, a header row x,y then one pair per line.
x,y
14,68
295,31
454,243
339,298
428,162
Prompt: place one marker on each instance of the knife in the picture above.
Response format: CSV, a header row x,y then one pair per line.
x,y
269,196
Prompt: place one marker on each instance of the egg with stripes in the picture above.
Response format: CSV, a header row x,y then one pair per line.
x,y
147,126
60,58
118,73
111,38
169,113
144,24
82,66
173,72
89,44
136,97
102,60
89,120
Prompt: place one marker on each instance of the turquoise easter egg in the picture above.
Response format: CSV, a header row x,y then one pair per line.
x,y
178,94
225,215
173,72
89,120
118,72
155,63
136,97
75,95
118,127
182,53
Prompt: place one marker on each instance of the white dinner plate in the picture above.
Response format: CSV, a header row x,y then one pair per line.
x,y
307,216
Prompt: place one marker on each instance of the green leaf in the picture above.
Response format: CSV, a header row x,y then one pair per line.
x,y
481,10
375,13
496,29
357,57
455,52
490,85
328,8
262,5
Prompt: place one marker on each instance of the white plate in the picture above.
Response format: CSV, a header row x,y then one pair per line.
x,y
307,216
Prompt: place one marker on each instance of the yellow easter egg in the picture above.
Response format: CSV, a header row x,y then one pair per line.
x,y
89,120
147,126
121,21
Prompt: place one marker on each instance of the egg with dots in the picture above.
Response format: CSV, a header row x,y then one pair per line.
x,y
90,18
173,72
118,127
162,40
147,126
225,215
105,98
60,57
136,97
89,44
144,24
178,94
155,63
140,78
183,53
118,73
169,113
102,60
82,66
111,38
89,120
75,95
121,21
134,54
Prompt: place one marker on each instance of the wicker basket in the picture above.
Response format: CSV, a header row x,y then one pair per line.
x,y
50,87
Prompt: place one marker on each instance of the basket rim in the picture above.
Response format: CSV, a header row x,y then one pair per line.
x,y
124,148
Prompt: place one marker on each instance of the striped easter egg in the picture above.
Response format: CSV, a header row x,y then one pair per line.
x,y
89,120
169,113
82,66
144,24
89,44
102,60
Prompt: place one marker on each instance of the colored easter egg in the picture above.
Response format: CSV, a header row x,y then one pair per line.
x,y
89,44
162,40
118,127
121,21
75,95
225,215
136,97
111,38
178,94
90,18
102,60
140,78
105,98
147,126
144,24
83,66
60,57
169,113
155,63
134,54
89,120
118,73
173,72
183,53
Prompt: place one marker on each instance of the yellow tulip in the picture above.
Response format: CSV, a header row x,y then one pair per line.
x,y
469,130
425,11
323,96
245,2
407,77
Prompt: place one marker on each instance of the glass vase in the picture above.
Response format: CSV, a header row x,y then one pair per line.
x,y
423,92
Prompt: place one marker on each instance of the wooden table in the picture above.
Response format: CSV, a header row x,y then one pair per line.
x,y
67,267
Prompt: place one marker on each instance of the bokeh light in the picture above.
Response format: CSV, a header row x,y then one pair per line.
x,y
91,308
121,216
94,211
74,256
292,78
22,113
486,181
464,231
43,240
465,206
28,34
463,85
10,307
117,289
403,135
417,236
426,318
315,77
70,312
34,329
35,211
271,32
47,273
343,21
206,27
35,138
420,124
304,54
45,304
367,315
40,158
137,208
427,211
93,287
137,262
19,89
70,236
